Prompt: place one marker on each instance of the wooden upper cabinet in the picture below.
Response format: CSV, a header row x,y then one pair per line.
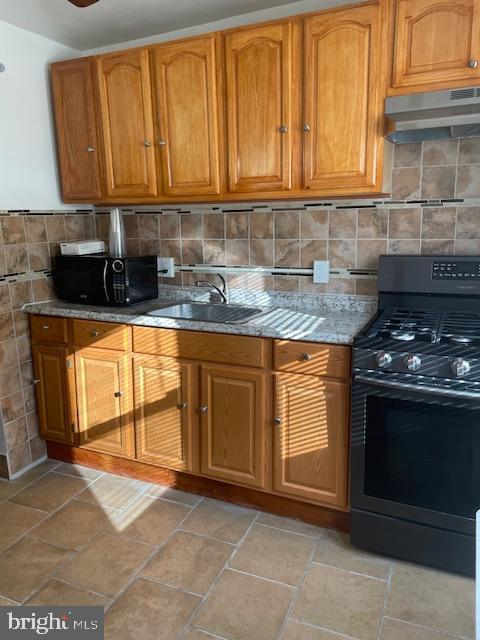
x,y
188,85
78,140
343,96
437,44
127,119
164,391
233,412
311,439
104,401
55,394
259,105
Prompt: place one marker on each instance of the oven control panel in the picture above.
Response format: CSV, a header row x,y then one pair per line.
x,y
446,270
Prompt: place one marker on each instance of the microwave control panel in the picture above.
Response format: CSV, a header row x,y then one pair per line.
x,y
446,270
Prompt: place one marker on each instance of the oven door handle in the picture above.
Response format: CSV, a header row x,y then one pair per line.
x,y
105,267
405,386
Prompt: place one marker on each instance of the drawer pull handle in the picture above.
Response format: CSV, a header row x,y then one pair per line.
x,y
204,409
36,381
306,357
45,327
183,405
277,421
118,394
473,64
94,333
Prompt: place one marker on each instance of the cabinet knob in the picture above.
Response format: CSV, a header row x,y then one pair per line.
x,y
161,142
307,127
183,405
36,381
473,64
147,143
118,394
284,128
94,333
306,357
277,421
204,409
90,149
45,327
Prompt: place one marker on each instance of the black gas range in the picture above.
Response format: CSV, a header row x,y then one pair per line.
x,y
415,444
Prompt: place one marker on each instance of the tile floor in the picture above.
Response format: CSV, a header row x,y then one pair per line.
x,y
171,565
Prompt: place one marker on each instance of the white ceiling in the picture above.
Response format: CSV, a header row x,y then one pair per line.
x,y
113,21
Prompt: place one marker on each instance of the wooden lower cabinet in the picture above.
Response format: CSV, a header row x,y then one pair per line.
x,y
234,421
164,393
54,385
311,438
104,401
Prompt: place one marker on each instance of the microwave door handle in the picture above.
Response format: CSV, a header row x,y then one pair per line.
x,y
105,267
405,386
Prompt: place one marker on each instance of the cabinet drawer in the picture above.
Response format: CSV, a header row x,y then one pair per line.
x,y
48,329
107,335
198,345
311,358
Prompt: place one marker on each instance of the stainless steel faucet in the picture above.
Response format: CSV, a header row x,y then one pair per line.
x,y
222,292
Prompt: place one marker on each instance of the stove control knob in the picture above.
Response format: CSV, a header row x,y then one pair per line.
x,y
413,363
383,359
460,367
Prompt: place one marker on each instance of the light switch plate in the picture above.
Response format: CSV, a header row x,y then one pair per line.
x,y
166,267
321,271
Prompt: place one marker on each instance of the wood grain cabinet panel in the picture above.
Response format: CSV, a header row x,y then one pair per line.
x,y
105,335
164,412
311,439
127,118
48,329
343,100
187,79
259,104
311,358
55,395
104,401
233,410
437,42
78,140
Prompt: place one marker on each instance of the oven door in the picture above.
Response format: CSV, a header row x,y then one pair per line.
x,y
415,450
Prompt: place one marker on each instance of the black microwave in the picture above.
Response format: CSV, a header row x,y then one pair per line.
x,y
104,280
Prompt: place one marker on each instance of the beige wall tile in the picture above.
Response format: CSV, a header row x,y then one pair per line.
x,y
130,222
404,247
13,230
237,252
15,432
468,222
342,224
192,252
191,226
372,223
16,258
74,227
287,224
342,253
214,251
56,231
439,222
38,256
261,252
171,249
35,229
38,448
468,181
261,225
438,247
21,293
214,225
438,182
287,253
314,225
440,152
404,223
311,250
408,155
368,252
406,184
148,226
467,247
469,151
236,225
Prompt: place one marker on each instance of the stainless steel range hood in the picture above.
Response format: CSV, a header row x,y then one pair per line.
x,y
437,114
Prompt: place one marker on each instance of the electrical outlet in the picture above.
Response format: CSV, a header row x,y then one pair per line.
x,y
166,267
321,271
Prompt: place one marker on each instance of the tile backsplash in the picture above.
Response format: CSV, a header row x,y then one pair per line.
x,y
434,208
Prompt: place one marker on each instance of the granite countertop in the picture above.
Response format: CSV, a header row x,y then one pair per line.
x,y
313,323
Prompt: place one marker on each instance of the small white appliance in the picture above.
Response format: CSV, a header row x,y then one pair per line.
x,y
82,248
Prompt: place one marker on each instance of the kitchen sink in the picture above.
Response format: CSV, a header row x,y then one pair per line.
x,y
204,312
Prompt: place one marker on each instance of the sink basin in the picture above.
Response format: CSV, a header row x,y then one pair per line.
x,y
204,312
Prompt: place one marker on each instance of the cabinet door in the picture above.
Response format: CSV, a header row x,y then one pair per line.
x,y
233,409
342,102
164,406
127,118
104,401
437,42
311,439
259,87
188,116
54,387
78,140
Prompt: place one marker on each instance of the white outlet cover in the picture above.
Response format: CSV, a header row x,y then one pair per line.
x,y
166,265
321,271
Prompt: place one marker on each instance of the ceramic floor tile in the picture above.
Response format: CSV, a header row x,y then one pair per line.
x,y
149,520
79,471
40,470
243,607
107,564
298,631
26,565
434,599
167,493
149,610
335,550
15,521
113,491
198,634
5,602
275,554
57,593
340,601
74,525
220,520
295,526
49,492
7,488
189,561
396,630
